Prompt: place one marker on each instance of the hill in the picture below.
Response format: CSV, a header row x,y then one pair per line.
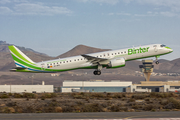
x,y
81,49
126,73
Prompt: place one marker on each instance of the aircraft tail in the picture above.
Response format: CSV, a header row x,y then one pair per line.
x,y
20,59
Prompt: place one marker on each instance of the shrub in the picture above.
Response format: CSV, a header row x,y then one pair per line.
x,y
148,107
18,109
8,110
67,109
11,104
137,106
131,100
98,95
173,103
169,106
4,96
80,103
161,95
164,102
78,97
43,97
116,108
117,95
17,95
58,109
28,95
93,107
138,96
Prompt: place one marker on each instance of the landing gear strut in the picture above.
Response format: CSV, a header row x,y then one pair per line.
x,y
98,71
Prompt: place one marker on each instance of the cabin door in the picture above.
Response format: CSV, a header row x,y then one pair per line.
x,y
155,48
42,66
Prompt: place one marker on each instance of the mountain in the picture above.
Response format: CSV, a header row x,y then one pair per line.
x,y
4,48
126,73
169,66
6,61
81,49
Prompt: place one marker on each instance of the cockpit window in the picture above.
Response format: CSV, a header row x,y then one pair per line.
x,y
163,45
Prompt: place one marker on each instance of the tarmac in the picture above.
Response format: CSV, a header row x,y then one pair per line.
x,y
169,115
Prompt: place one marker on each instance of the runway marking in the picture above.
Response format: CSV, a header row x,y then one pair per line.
x,y
127,119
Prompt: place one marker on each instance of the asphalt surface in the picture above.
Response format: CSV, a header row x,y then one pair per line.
x,y
100,115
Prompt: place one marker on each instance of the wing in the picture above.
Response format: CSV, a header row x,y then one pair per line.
x,y
94,59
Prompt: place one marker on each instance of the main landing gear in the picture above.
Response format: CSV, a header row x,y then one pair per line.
x,y
98,71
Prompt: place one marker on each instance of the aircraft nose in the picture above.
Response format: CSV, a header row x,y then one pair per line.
x,y
170,50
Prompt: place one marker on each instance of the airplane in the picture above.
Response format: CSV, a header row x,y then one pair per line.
x,y
107,59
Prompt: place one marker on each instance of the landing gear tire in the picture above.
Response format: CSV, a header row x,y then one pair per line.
x,y
157,62
96,72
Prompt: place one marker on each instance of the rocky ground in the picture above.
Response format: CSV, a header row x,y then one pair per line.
x,y
88,102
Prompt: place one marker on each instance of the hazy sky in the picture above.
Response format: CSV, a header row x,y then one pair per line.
x,y
56,26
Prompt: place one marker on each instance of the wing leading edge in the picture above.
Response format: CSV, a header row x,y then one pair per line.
x,y
93,59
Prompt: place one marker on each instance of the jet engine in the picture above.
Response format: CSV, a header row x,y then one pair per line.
x,y
116,63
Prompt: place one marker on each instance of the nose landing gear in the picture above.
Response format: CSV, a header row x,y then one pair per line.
x,y
157,62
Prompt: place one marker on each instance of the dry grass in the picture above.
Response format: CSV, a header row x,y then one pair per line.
x,y
88,102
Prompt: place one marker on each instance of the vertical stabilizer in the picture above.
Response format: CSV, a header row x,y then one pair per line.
x,y
20,59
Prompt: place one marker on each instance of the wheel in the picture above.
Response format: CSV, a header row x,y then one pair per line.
x,y
96,72
157,62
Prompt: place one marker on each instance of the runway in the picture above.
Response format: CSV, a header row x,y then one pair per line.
x,y
100,115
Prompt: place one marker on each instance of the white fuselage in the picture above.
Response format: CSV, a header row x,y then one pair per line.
x,y
77,62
